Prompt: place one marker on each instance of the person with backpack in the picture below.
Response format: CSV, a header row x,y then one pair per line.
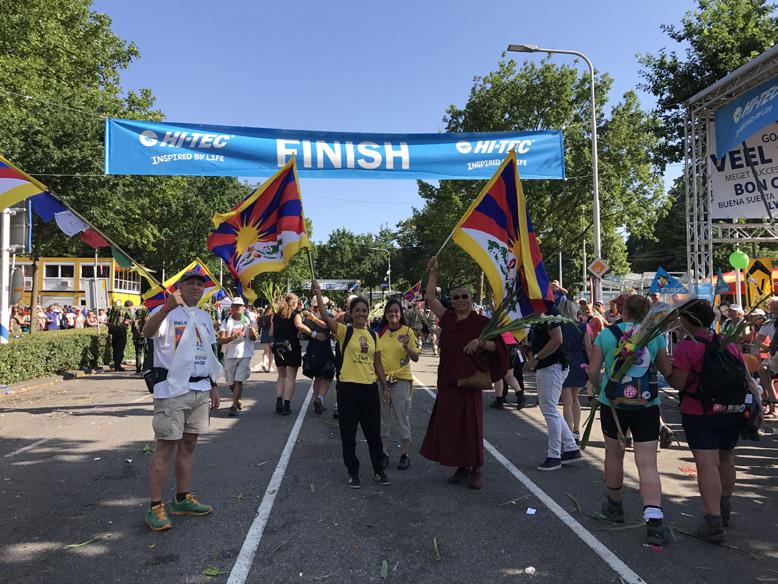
x,y
397,344
631,403
318,361
359,370
237,336
715,391
577,344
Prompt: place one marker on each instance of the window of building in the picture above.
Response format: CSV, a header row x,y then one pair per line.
x,y
88,271
126,281
59,277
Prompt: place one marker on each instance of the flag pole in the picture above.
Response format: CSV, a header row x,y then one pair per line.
x,y
310,262
450,235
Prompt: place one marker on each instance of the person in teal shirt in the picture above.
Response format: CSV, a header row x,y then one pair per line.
x,y
643,422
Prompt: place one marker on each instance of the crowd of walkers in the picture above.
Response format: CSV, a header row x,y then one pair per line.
x,y
572,357
54,317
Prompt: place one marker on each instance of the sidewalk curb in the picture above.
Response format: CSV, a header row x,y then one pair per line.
x,y
22,386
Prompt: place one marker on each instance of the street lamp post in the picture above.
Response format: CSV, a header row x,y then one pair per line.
x,y
595,174
389,257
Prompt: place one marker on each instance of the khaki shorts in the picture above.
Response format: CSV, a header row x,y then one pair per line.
x,y
237,369
183,414
399,410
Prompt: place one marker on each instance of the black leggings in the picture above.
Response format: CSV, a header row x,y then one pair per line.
x,y
359,404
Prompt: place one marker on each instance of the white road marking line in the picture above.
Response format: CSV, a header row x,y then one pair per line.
x,y
618,566
143,398
240,570
26,448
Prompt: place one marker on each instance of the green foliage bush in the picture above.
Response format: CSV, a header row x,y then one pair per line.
x,y
53,352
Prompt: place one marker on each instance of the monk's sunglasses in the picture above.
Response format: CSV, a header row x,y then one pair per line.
x,y
460,297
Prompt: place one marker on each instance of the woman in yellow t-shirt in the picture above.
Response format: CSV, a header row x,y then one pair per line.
x,y
397,344
358,399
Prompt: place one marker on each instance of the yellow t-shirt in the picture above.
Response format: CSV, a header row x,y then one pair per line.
x,y
358,365
393,355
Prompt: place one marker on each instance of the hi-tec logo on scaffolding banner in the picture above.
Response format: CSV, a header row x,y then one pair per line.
x,y
162,148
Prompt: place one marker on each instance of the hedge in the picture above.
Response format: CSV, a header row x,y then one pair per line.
x,y
54,352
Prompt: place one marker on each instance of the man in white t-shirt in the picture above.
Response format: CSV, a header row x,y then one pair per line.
x,y
181,410
237,336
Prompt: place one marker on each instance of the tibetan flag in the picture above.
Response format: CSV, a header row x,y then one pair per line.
x,y
721,286
262,232
15,185
498,234
664,283
413,292
158,294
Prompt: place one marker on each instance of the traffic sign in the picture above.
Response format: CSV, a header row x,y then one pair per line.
x,y
598,268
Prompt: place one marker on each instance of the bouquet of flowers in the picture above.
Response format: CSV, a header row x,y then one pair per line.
x,y
502,321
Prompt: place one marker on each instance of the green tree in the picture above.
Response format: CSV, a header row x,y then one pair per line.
x,y
711,41
537,96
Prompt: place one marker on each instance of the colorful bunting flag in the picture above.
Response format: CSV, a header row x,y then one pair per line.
x,y
664,283
262,232
47,206
121,259
16,185
413,292
69,223
497,232
93,238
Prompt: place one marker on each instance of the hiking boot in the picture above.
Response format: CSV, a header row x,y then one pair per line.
x,y
474,480
233,412
317,409
279,405
497,404
239,405
287,408
354,482
712,529
577,437
404,463
665,437
613,511
382,479
726,510
521,401
571,457
157,519
190,506
384,460
656,532
458,476
550,464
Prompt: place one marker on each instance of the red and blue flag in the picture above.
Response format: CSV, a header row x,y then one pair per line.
x,y
158,294
413,292
497,232
262,232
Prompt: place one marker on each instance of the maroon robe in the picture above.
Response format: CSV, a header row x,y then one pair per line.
x,y
455,434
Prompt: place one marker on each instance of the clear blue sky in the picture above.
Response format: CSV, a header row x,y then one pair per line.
x,y
363,67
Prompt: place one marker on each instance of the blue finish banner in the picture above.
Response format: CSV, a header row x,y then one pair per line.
x,y
168,148
745,116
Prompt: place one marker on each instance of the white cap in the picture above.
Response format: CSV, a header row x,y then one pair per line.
x,y
736,307
238,301
315,301
758,312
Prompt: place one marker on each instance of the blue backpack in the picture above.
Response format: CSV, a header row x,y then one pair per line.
x,y
632,392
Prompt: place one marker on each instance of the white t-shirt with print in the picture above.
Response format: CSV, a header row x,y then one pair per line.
x,y
166,340
243,347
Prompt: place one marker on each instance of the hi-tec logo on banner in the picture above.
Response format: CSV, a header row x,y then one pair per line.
x,y
161,148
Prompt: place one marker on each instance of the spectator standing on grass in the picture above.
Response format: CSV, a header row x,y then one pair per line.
x,y
184,343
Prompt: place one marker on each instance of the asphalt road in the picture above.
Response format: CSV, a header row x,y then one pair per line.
x,y
73,459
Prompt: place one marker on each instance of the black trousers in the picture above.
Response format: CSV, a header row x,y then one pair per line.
x,y
140,346
118,342
359,404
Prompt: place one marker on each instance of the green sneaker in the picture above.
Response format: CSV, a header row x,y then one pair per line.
x,y
157,518
190,506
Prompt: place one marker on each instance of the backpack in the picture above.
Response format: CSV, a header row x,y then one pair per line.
x,y
722,385
341,350
631,393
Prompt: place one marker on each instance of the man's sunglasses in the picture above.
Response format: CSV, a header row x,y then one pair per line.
x,y
460,297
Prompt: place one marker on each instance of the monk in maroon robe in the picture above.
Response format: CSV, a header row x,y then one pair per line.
x,y
455,434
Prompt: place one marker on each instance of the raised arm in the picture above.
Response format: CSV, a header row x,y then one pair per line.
x,y
432,280
152,324
332,324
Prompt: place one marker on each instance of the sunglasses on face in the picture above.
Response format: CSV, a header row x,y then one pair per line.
x,y
460,297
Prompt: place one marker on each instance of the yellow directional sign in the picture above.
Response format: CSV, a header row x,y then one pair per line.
x,y
598,268
759,281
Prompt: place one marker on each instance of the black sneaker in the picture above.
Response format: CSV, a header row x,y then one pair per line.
x,y
335,413
550,464
385,460
404,463
317,406
382,479
656,532
353,482
712,529
233,412
279,405
613,511
287,408
521,401
497,404
571,457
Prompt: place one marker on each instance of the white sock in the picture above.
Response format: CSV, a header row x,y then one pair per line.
x,y
652,512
